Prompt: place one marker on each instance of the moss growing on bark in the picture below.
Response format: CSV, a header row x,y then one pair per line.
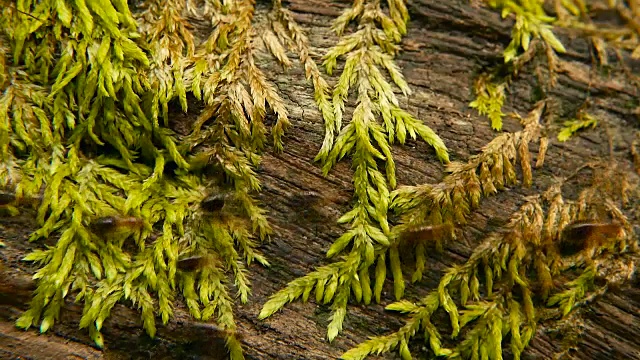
x,y
148,216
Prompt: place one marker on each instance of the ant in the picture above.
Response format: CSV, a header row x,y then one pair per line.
x,y
213,203
111,223
7,198
194,263
427,233
584,235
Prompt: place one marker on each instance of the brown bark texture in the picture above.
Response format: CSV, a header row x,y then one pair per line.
x,y
448,44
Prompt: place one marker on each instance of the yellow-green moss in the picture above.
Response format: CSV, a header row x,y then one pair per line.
x,y
84,114
84,134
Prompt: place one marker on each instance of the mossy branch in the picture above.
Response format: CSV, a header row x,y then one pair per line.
x,y
89,88
518,264
368,142
452,200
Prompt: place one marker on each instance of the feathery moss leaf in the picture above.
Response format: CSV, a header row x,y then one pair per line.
x,y
368,52
582,121
80,80
516,261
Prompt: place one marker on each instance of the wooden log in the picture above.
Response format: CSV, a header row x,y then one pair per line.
x,y
447,44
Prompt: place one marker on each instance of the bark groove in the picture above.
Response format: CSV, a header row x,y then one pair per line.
x,y
447,44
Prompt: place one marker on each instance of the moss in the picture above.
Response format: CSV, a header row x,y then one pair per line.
x,y
85,136
526,278
530,279
377,122
582,121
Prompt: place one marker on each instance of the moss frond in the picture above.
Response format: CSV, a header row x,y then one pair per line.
x,y
520,265
582,121
369,51
489,100
452,200
286,28
81,81
531,22
230,132
164,27
225,76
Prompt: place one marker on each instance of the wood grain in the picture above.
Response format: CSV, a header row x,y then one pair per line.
x,y
447,44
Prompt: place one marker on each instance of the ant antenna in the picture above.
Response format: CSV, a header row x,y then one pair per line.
x,y
26,13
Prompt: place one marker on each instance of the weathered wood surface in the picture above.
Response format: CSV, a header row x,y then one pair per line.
x,y
448,42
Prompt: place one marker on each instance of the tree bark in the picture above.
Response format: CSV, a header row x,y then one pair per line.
x,y
448,43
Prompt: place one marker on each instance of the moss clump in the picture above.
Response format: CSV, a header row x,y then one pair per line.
x,y
84,130
451,201
377,122
526,278
527,274
85,134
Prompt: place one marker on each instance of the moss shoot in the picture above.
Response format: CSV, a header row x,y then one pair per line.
x,y
145,215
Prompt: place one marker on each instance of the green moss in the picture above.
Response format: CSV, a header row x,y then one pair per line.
x,y
516,266
377,122
84,114
84,134
582,121
518,263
